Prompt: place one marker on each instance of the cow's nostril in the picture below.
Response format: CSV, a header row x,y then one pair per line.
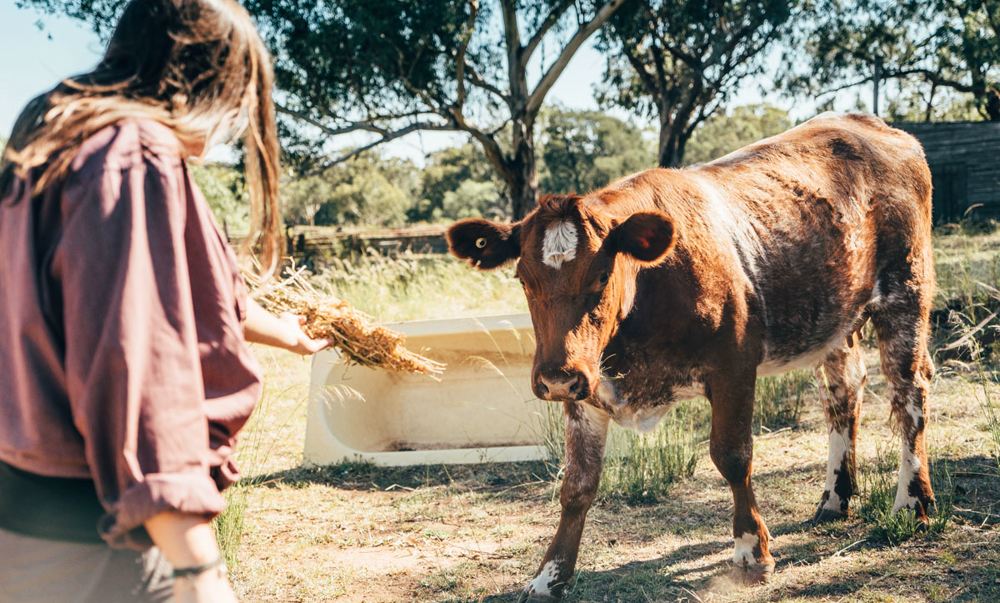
x,y
542,389
574,386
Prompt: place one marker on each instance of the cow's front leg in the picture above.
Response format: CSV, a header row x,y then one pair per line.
x,y
586,433
731,448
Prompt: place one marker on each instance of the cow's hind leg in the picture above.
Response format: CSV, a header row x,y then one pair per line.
x,y
586,434
842,379
731,449
901,323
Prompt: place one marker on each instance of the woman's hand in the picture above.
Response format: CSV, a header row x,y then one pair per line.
x,y
285,332
298,341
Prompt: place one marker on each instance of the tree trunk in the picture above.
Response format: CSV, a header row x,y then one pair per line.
x,y
993,104
671,148
522,180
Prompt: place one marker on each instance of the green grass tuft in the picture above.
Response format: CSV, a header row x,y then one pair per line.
x,y
229,525
640,467
779,400
878,479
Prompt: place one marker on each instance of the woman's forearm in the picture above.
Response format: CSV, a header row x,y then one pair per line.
x,y
285,332
264,328
185,540
188,542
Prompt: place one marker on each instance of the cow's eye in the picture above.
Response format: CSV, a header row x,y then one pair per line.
x,y
604,278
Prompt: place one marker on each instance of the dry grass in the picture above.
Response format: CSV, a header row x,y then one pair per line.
x,y
352,332
472,533
476,533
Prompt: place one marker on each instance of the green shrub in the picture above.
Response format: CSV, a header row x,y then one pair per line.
x,y
877,479
640,467
779,400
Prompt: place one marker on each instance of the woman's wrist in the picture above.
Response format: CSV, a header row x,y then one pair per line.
x,y
185,540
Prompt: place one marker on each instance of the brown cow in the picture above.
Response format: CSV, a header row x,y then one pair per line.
x,y
673,283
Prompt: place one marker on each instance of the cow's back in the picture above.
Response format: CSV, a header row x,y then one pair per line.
x,y
816,213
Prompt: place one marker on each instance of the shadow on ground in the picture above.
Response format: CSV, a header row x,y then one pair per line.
x,y
367,477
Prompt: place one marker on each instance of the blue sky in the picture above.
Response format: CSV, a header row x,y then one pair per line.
x,y
35,58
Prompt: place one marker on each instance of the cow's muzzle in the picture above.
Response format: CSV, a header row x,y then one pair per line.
x,y
562,385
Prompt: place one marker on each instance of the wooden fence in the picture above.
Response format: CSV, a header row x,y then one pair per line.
x,y
307,244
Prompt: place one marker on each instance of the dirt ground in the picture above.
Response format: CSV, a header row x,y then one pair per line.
x,y
477,533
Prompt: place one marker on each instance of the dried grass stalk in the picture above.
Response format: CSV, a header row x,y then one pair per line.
x,y
354,333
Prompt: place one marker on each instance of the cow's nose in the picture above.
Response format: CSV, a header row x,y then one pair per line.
x,y
571,386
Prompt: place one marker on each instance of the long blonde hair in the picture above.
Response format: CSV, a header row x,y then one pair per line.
x,y
197,66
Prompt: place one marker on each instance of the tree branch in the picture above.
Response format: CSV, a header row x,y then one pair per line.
x,y
387,137
512,34
460,54
555,70
366,125
477,80
550,20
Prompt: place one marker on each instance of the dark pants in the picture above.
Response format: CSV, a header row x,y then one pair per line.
x,y
34,570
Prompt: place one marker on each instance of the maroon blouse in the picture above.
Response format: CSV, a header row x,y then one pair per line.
x,y
122,355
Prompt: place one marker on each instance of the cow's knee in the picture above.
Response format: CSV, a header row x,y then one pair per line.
x,y
732,460
578,495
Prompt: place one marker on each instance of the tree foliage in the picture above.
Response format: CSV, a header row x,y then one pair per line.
x,y
677,61
366,190
386,69
725,132
584,150
472,198
224,189
447,171
378,71
926,46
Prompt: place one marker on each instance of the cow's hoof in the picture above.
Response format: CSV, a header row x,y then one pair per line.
x,y
529,596
824,515
756,573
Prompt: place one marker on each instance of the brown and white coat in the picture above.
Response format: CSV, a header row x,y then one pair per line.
x,y
673,283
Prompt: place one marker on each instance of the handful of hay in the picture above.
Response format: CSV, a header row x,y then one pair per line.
x,y
354,333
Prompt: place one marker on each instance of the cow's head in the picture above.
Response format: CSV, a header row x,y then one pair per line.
x,y
578,267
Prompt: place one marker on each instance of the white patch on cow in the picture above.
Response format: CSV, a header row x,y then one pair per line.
x,y
743,549
607,394
694,389
909,467
559,244
840,442
915,412
876,297
732,225
809,359
543,582
825,115
643,419
730,158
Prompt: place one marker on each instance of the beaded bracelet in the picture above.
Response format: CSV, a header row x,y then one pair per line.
x,y
197,570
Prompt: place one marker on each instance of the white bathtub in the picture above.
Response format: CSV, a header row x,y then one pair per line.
x,y
481,411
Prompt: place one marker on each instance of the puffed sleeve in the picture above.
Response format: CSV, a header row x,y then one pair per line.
x,y
131,359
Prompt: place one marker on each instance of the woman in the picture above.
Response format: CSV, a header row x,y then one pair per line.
x,y
125,373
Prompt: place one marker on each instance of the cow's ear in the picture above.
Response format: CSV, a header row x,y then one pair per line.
x,y
646,236
485,244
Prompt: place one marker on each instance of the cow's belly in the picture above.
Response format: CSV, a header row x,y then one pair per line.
x,y
810,358
810,347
